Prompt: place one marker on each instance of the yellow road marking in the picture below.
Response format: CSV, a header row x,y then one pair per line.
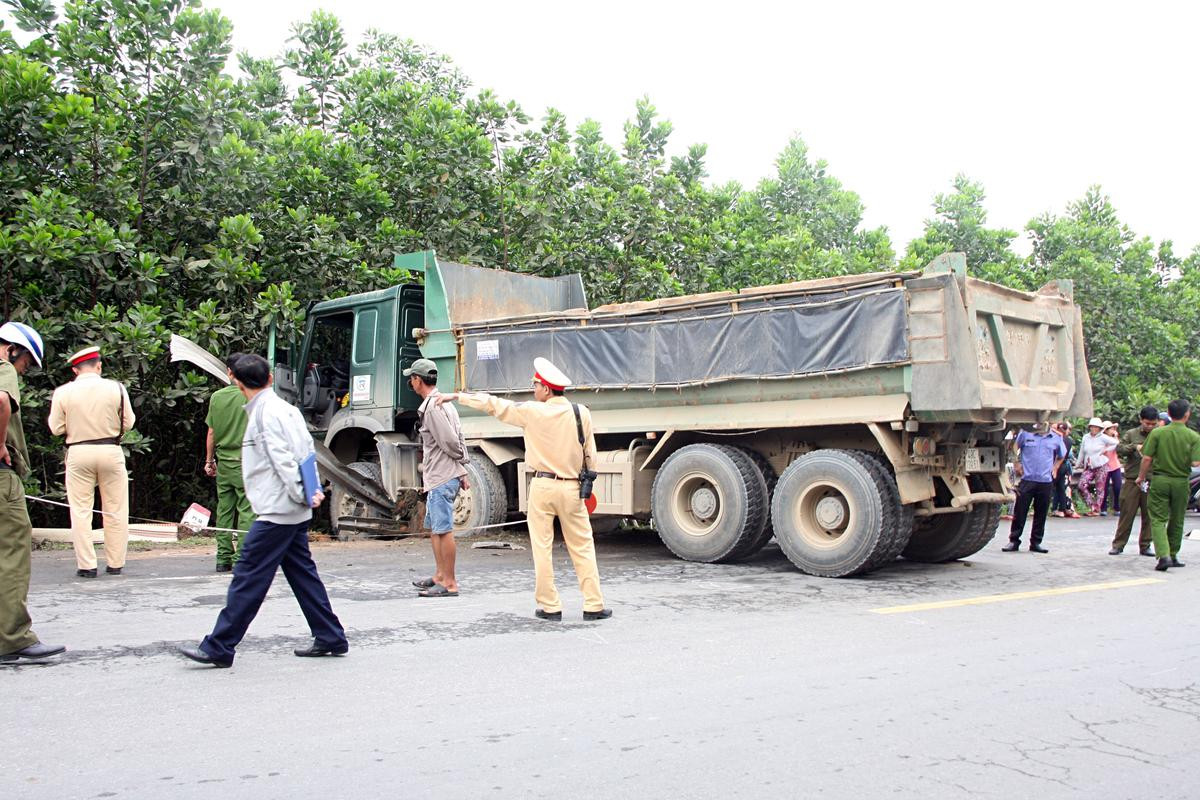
x,y
1003,598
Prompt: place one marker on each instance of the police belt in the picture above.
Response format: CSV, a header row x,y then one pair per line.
x,y
109,440
552,476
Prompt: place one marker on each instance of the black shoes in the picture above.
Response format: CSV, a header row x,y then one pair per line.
x,y
224,567
316,650
553,616
34,652
591,616
1163,564
1037,548
112,570
1146,551
196,654
1011,547
1175,562
85,573
1116,551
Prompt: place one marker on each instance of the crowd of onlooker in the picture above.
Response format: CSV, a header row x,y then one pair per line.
x,y
1148,471
1090,476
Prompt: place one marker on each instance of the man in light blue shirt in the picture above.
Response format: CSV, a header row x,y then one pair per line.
x,y
1042,451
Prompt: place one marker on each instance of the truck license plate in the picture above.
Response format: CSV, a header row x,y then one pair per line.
x,y
983,459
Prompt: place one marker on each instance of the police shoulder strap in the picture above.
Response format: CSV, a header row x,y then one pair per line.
x,y
579,430
120,412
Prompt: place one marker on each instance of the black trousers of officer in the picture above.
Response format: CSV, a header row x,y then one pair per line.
x,y
269,546
1039,495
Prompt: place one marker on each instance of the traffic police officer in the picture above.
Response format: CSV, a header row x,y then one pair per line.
x,y
554,455
20,346
93,413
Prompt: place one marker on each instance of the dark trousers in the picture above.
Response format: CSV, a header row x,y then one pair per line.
x,y
1115,481
269,546
1038,494
1061,501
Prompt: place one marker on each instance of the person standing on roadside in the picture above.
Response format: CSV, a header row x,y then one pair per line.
x,y
1041,453
277,442
443,474
1113,482
554,453
1168,456
1133,499
226,422
1093,457
20,347
1063,505
93,413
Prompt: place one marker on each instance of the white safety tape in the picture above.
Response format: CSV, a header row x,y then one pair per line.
x,y
131,519
238,530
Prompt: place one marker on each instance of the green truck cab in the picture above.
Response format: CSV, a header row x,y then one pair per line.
x,y
853,419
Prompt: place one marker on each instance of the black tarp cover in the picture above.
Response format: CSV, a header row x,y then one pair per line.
x,y
773,337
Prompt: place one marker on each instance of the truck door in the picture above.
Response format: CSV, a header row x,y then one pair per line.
x,y
370,379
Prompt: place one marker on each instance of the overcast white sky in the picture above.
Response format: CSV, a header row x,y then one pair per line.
x,y
1037,100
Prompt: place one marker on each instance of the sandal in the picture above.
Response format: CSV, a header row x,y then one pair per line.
x,y
437,590
424,583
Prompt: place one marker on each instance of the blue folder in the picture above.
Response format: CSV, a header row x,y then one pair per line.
x,y
310,477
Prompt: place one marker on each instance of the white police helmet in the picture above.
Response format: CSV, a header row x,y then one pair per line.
x,y
25,336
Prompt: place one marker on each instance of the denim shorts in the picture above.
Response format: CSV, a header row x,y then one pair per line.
x,y
439,506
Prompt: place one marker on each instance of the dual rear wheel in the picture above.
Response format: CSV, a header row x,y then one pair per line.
x,y
834,513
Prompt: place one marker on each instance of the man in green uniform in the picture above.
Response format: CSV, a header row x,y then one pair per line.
x,y
226,422
1132,498
20,346
1168,455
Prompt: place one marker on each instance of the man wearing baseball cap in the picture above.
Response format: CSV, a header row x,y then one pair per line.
x,y
443,474
20,347
94,413
555,456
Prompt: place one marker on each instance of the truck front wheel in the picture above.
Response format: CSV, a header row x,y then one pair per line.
x,y
709,503
833,514
343,504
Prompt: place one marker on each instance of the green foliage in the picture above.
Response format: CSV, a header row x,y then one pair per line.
x,y
145,190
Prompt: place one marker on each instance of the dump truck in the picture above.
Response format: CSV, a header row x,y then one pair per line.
x,y
854,419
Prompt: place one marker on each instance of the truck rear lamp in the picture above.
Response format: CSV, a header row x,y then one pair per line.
x,y
924,446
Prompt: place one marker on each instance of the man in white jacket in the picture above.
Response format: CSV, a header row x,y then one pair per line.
x,y
277,440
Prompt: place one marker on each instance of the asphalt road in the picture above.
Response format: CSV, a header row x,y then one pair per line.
x,y
710,681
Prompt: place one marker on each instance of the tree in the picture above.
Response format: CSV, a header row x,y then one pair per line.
x,y
959,225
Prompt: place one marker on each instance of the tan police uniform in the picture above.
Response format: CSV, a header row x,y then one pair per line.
x,y
93,412
553,453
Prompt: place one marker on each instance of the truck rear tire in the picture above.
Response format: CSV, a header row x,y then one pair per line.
x,y
833,513
770,478
949,537
894,538
344,504
709,503
486,502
